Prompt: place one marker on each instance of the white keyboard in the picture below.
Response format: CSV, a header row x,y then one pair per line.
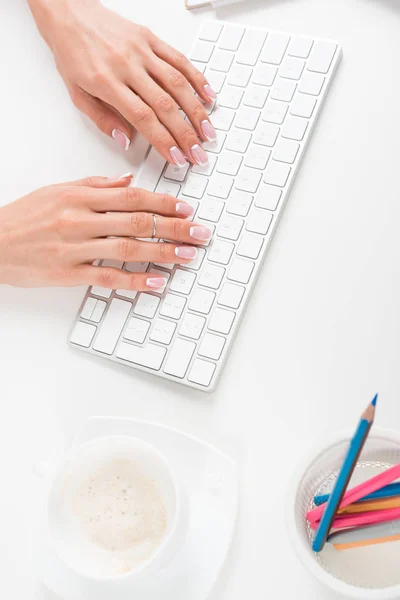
x,y
270,88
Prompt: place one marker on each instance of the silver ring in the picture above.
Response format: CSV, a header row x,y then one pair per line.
x,y
154,226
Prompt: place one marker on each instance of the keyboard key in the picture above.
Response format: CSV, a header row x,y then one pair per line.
x,y
199,66
134,267
182,281
112,326
230,227
268,197
231,295
151,170
211,209
292,68
211,346
220,186
162,331
238,140
264,74
202,372
283,90
222,61
229,163
172,306
210,31
257,157
127,293
231,37
195,186
215,79
303,106
256,96
159,273
321,56
89,307
212,276
168,187
196,263
230,97
266,134
239,203
221,320
217,145
137,330
146,305
248,180
176,173
274,112
150,356
277,173
82,334
239,76
250,47
286,151
275,48
221,252
311,83
202,301
259,221
102,292
202,51
300,47
240,271
222,118
250,245
294,128
114,264
247,118
192,326
179,358
208,168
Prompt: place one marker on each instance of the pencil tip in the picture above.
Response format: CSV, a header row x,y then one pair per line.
x,y
374,400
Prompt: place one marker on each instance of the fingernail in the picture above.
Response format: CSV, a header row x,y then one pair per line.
x,y
184,209
156,282
208,131
200,233
186,252
177,156
121,139
199,155
130,175
210,92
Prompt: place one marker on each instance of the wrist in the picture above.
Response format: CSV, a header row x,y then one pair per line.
x,y
49,14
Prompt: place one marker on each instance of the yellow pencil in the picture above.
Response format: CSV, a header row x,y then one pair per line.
x,y
368,505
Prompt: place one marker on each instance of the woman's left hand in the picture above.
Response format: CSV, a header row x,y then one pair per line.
x,y
122,76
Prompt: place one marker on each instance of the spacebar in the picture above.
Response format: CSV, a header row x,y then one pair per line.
x,y
150,171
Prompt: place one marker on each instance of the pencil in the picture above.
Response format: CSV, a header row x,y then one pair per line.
x,y
366,536
360,507
345,473
387,491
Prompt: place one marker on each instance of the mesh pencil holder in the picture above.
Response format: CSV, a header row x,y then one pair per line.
x,y
371,572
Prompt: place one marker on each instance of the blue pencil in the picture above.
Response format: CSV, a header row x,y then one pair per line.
x,y
345,473
388,491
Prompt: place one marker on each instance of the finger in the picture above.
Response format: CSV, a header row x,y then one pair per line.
x,y
101,182
110,278
136,199
106,119
182,64
180,90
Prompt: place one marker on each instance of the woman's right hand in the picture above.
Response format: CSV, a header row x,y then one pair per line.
x,y
52,236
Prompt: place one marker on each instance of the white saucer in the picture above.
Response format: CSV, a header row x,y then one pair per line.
x,y
210,480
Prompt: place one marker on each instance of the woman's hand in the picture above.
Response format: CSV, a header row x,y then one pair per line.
x,y
52,236
121,75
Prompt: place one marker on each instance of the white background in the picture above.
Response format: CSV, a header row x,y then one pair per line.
x,y
321,334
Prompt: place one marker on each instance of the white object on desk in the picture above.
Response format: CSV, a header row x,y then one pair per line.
x,y
190,4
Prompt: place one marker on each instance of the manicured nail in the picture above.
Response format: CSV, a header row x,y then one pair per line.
x,y
156,282
121,139
186,252
200,233
130,175
208,131
184,209
210,92
177,156
199,155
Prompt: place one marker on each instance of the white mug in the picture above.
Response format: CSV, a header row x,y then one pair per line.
x,y
70,546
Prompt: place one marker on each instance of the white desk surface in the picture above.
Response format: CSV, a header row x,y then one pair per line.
x,y
322,332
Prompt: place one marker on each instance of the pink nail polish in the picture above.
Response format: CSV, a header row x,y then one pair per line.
x,y
208,130
210,92
121,139
184,209
177,156
199,155
156,282
126,175
186,252
200,233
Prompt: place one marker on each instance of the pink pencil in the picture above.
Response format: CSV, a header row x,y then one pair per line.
x,y
367,518
359,491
